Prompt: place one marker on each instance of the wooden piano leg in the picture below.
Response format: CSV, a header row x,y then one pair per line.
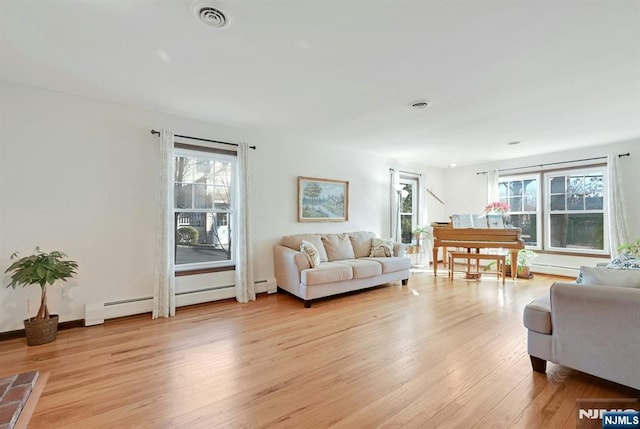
x,y
435,260
514,264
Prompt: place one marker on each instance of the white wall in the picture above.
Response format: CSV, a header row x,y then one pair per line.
x,y
467,192
80,175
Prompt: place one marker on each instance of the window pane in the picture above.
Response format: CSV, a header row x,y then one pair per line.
x,y
515,188
557,185
222,173
502,190
222,199
182,197
516,204
594,203
557,202
406,227
528,224
183,169
575,202
577,231
202,237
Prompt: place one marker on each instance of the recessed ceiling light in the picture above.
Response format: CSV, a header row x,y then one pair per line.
x,y
514,143
453,164
419,104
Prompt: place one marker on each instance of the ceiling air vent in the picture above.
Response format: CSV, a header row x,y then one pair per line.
x,y
211,14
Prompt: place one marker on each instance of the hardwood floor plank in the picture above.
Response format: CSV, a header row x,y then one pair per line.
x,y
434,354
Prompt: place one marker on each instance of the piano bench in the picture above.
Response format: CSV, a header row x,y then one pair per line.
x,y
500,258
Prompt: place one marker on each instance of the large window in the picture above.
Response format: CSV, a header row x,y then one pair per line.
x,y
561,211
522,194
576,215
204,210
409,212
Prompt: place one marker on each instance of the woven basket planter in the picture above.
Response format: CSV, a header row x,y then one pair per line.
x,y
41,331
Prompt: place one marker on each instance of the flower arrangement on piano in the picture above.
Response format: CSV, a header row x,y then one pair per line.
x,y
497,207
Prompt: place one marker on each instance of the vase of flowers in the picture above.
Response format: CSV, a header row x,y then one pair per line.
x,y
498,207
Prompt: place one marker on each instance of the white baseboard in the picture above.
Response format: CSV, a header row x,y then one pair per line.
x,y
558,270
96,314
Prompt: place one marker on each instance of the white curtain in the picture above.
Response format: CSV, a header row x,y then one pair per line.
x,y
492,186
245,289
164,295
618,233
394,213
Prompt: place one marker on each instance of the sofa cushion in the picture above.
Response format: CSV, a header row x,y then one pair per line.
x,y
338,247
381,248
295,241
311,252
326,272
363,268
609,277
392,264
361,242
537,315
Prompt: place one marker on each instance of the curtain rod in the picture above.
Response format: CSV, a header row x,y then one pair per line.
x,y
154,132
555,163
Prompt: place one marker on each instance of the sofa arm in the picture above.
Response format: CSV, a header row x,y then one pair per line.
x,y
288,264
399,249
596,329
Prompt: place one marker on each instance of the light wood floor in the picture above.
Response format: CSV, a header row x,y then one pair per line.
x,y
434,354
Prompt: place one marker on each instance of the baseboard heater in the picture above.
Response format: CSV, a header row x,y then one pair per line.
x,y
96,314
558,270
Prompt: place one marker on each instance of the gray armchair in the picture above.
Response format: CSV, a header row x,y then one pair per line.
x,y
590,328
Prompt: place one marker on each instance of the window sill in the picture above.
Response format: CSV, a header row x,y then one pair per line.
x,y
204,270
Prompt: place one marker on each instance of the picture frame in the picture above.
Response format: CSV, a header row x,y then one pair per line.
x,y
322,200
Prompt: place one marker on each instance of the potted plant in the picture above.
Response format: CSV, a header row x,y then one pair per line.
x,y
41,269
632,249
525,258
417,231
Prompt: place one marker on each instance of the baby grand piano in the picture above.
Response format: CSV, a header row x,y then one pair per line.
x,y
478,238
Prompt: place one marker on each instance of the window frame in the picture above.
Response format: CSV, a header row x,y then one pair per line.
x,y
583,170
543,214
412,181
538,212
213,155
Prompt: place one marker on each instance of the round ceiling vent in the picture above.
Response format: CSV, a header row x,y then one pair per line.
x,y
210,13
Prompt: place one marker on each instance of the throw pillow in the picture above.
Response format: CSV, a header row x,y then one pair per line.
x,y
381,248
311,253
624,262
609,277
338,247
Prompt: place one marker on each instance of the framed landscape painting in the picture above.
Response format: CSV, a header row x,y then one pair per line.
x,y
322,200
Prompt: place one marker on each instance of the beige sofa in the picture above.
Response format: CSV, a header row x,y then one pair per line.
x,y
345,265
593,327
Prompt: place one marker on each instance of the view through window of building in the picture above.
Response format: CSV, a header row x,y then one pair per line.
x,y
569,207
522,195
408,208
204,212
576,215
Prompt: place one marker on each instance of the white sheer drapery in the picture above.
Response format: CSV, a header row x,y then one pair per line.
x,y
164,295
394,213
492,186
245,288
618,233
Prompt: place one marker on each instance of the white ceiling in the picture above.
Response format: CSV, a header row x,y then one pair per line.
x,y
554,74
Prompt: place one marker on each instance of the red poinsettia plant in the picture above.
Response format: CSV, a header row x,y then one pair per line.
x,y
497,207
